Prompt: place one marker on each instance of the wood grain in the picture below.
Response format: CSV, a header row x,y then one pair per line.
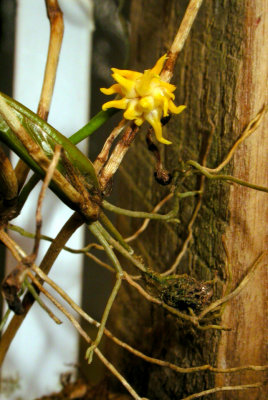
x,y
247,233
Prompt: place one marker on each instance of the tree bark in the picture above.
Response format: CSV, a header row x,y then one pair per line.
x,y
221,76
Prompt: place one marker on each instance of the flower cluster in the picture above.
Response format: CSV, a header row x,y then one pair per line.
x,y
145,97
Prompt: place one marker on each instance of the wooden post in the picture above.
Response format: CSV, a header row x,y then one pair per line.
x,y
221,76
247,233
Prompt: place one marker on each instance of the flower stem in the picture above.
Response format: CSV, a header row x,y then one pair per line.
x,y
96,122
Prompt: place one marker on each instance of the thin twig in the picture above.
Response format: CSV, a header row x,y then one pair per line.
x,y
251,127
147,220
138,214
181,370
184,248
11,245
83,250
74,222
56,34
19,255
227,178
55,17
223,389
104,154
99,262
138,287
112,229
97,230
117,374
137,353
38,216
61,308
30,235
180,38
13,282
46,293
78,327
117,155
193,319
62,293
38,299
124,252
237,290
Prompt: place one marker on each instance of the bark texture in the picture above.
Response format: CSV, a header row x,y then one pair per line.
x,y
220,76
247,234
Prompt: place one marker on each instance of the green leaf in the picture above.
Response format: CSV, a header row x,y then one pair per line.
x,y
46,136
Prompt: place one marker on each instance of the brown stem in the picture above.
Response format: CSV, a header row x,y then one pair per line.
x,y
74,222
250,128
188,239
55,17
180,38
237,290
11,245
117,156
223,389
103,156
45,184
162,176
56,34
117,374
21,171
8,180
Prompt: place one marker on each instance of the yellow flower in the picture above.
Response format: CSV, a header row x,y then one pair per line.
x,y
145,97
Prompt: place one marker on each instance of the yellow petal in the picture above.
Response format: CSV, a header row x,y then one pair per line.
x,y
139,121
157,126
170,95
112,90
121,104
147,103
159,65
133,75
131,111
143,85
168,86
126,84
174,109
165,107
161,101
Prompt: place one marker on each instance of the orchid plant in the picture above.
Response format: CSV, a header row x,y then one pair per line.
x,y
83,185
145,97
